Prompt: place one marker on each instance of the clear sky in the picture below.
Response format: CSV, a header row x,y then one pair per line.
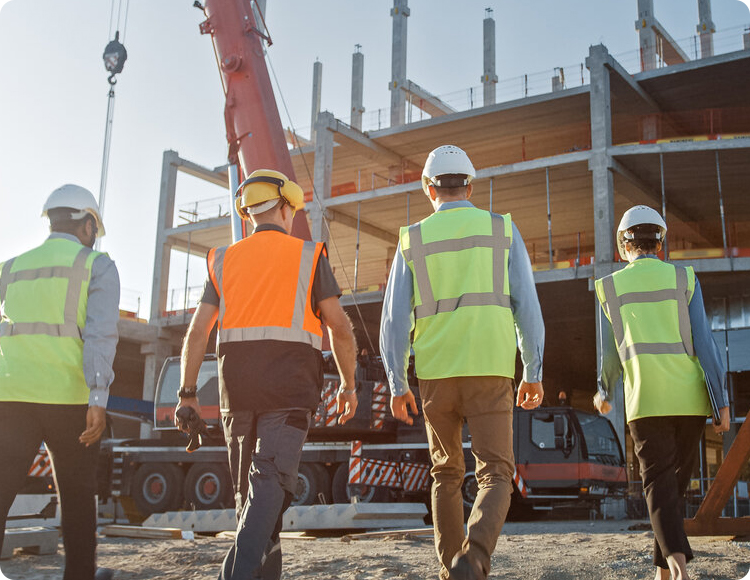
x,y
53,89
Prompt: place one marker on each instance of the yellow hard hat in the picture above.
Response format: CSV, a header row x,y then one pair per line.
x,y
264,186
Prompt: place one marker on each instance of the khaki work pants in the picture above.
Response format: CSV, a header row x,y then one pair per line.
x,y
487,405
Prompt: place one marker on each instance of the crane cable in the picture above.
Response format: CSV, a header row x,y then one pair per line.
x,y
316,198
114,59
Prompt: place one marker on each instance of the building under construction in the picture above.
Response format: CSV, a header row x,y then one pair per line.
x,y
671,130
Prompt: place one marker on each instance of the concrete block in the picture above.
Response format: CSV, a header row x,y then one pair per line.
x,y
34,540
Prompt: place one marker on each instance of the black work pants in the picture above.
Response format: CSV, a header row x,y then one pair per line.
x,y
667,449
23,427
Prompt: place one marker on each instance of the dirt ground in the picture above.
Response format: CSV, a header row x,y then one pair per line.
x,y
554,550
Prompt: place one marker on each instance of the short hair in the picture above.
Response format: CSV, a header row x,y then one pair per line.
x,y
451,184
60,220
645,238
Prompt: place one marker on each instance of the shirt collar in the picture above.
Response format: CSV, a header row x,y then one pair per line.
x,y
64,236
269,228
652,256
454,204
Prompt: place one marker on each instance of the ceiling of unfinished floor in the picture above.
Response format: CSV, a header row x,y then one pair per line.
x,y
694,100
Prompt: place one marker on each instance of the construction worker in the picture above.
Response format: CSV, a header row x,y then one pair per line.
x,y
461,279
270,292
659,341
58,333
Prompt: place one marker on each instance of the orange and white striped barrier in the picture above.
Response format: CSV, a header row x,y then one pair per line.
x,y
42,466
379,406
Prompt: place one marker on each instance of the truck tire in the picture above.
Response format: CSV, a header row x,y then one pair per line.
x,y
157,488
312,480
469,489
343,492
208,486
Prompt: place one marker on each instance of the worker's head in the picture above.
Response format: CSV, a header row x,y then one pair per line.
x,y
447,175
72,209
269,196
641,231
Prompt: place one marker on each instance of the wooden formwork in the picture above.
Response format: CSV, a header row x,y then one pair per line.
x,y
708,520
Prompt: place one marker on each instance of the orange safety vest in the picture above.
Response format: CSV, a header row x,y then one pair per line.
x,y
264,283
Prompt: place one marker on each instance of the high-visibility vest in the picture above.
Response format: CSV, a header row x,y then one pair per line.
x,y
265,289
463,323
44,295
647,304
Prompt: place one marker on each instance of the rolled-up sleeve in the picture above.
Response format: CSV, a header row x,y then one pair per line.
x,y
396,324
100,332
527,313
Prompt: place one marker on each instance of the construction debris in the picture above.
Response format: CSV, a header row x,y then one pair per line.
x,y
145,532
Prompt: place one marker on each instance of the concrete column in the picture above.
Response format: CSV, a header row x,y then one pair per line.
x,y
646,34
400,12
706,28
156,353
603,189
746,41
323,167
165,221
358,76
558,81
235,220
317,87
601,139
489,78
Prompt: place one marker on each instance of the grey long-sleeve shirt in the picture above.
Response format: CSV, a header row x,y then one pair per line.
x,y
100,332
397,318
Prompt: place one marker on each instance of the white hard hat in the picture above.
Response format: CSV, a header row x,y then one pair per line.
x,y
635,216
77,198
446,160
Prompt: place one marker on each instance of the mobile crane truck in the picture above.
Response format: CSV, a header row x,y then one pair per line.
x,y
564,456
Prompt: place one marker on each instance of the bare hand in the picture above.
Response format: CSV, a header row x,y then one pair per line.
x,y
723,427
530,395
96,421
401,405
186,402
601,405
346,403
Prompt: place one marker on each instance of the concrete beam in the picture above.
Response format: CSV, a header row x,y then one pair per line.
x,y
614,66
425,100
220,222
672,54
364,227
217,176
343,133
486,173
296,140
579,273
682,147
655,196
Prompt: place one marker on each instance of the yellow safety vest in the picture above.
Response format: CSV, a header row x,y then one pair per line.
x,y
44,294
463,321
647,304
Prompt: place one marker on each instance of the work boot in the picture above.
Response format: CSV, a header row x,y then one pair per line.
x,y
464,567
104,574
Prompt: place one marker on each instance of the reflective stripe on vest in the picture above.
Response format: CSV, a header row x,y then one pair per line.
x,y
418,252
613,303
296,332
76,274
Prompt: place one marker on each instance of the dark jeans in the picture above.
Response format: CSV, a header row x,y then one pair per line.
x,y
23,427
264,454
667,449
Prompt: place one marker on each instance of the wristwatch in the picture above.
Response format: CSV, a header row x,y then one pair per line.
x,y
188,392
